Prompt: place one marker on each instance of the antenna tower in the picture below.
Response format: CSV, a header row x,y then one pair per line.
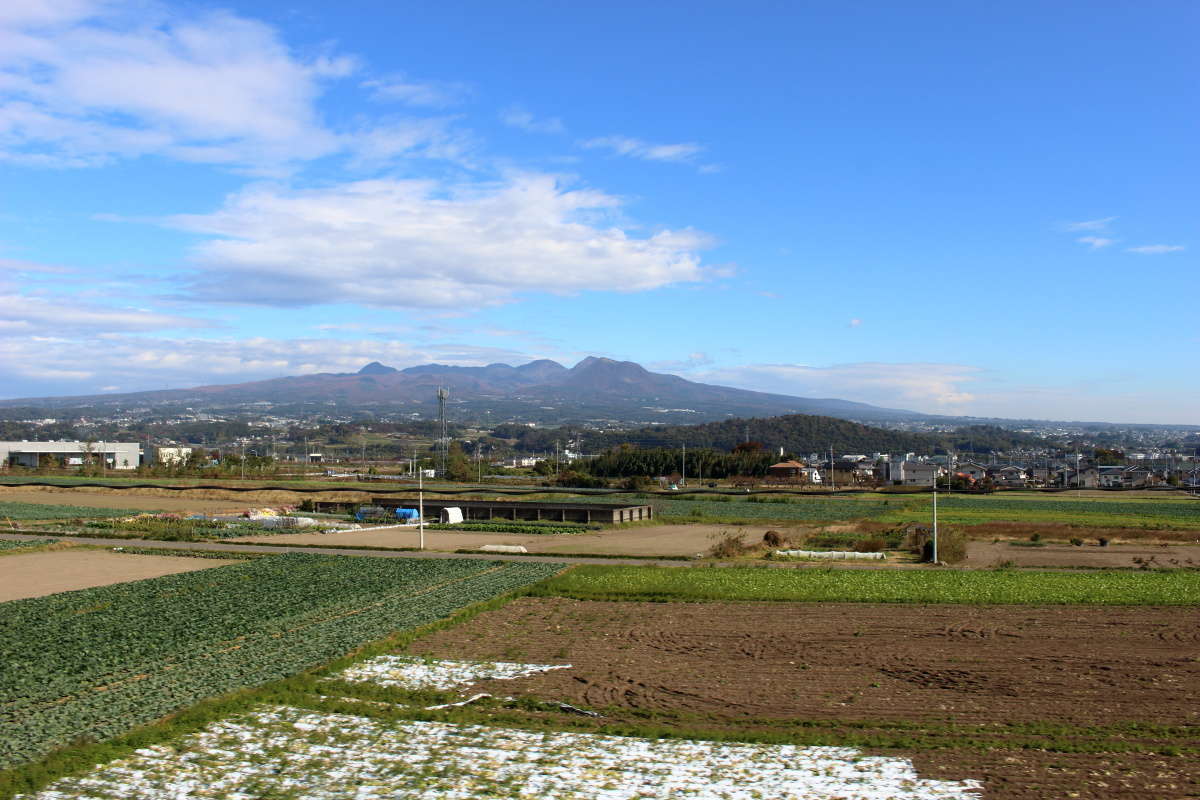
x,y
444,441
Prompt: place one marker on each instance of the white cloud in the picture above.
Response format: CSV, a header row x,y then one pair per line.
x,y
411,244
855,322
25,315
1095,242
516,117
1155,249
124,79
434,94
1090,225
636,148
936,388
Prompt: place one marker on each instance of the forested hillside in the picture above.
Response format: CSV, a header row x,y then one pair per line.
x,y
799,434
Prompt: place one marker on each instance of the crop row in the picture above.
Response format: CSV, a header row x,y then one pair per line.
x,y
174,530
23,544
97,662
975,587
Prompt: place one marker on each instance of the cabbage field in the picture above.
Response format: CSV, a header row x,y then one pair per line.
x,y
97,662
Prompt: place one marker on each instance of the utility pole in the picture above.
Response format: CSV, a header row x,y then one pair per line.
x,y
683,467
243,461
935,530
421,507
556,457
832,480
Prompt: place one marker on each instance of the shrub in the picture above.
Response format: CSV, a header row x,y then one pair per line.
x,y
952,546
729,545
872,545
772,539
1077,542
1103,542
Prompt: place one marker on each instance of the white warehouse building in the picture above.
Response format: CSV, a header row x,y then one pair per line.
x,y
117,455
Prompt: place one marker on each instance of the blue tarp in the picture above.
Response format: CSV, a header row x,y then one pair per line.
x,y
407,513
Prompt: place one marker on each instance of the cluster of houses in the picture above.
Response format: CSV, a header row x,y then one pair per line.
x,y
884,470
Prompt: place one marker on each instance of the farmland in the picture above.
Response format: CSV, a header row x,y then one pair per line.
x,y
97,662
715,700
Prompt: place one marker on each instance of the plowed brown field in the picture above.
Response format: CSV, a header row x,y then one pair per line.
x,y
994,689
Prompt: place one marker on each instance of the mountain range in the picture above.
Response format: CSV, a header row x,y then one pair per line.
x,y
543,390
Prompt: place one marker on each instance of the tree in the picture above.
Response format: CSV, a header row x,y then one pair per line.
x,y
458,468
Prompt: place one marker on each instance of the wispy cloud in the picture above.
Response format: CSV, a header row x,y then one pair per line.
x,y
517,117
1155,249
432,94
118,79
938,387
636,148
1095,242
1090,224
87,363
40,316
854,323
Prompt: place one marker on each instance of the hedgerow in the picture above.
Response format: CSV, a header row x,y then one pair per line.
x,y
514,527
94,663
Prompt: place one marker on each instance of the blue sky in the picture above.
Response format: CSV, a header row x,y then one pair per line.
x,y
938,206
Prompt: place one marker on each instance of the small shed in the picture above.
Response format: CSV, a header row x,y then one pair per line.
x,y
787,469
451,514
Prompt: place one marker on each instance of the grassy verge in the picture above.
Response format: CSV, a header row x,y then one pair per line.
x,y
976,587
532,714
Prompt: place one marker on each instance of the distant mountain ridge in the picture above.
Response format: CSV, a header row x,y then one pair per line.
x,y
593,388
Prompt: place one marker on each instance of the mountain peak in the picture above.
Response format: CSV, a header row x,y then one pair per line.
x,y
375,368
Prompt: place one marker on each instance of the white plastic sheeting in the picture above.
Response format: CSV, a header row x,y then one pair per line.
x,y
504,548
327,756
847,555
411,672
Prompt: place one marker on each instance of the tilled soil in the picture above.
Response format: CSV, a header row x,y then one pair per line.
x,y
1013,679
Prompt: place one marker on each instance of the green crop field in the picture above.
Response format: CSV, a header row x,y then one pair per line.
x,y
97,662
1113,512
42,511
726,508
978,587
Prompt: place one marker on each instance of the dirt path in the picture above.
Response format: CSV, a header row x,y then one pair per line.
x,y
657,540
39,574
989,554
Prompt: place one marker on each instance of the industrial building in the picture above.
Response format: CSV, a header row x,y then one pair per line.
x,y
610,513
117,455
